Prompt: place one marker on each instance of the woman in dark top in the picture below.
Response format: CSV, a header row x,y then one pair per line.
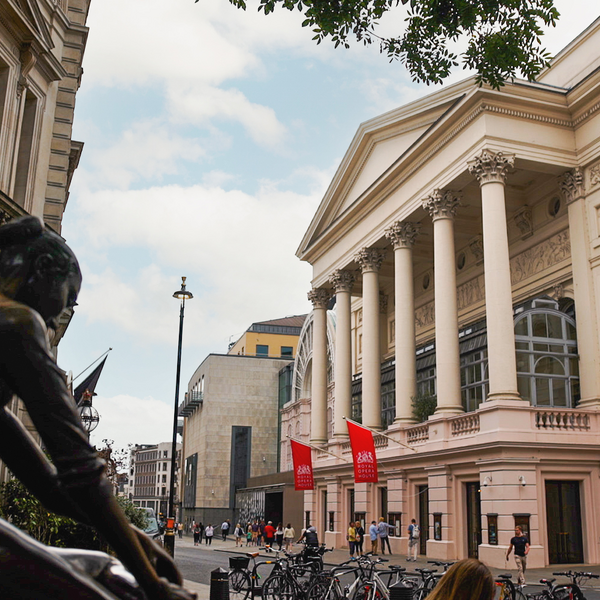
x,y
39,278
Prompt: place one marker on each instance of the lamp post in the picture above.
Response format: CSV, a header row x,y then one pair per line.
x,y
181,295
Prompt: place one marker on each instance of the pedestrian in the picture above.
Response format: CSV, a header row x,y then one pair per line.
x,y
468,579
360,538
248,534
224,530
255,531
180,530
383,530
279,535
288,537
310,537
208,534
351,537
238,532
201,530
269,533
521,545
414,533
373,536
261,532
196,532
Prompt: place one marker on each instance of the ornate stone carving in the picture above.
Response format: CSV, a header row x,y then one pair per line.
x,y
441,205
403,234
476,246
383,303
470,292
370,259
425,315
342,281
319,297
595,175
541,257
491,166
559,291
4,217
572,186
524,222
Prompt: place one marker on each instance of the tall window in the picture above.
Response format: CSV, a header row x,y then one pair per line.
x,y
388,404
473,379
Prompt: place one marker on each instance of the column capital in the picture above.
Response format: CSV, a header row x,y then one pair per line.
x,y
441,205
370,259
319,297
491,167
403,234
572,185
342,280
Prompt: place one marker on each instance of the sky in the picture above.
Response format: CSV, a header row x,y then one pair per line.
x,y
211,135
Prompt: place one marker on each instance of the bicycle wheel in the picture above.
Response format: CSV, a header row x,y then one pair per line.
x,y
323,589
278,587
369,591
519,595
239,585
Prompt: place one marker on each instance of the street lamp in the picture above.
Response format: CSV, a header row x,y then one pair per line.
x,y
88,414
181,295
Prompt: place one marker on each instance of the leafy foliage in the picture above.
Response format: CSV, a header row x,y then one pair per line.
x,y
503,36
423,407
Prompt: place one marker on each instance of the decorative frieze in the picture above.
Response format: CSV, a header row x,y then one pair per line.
x,y
342,281
524,222
319,297
476,247
402,234
425,315
441,205
572,185
383,303
541,257
370,259
491,167
470,292
595,175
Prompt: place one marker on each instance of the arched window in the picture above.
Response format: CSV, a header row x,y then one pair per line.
x,y
547,360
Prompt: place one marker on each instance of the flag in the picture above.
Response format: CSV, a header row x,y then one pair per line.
x,y
303,471
363,453
89,383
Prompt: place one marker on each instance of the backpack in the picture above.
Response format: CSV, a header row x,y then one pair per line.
x,y
415,532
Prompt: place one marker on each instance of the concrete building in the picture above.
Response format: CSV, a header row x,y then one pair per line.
x,y
230,433
41,50
461,239
277,337
150,475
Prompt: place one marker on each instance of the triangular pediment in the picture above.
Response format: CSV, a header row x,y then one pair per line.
x,y
32,20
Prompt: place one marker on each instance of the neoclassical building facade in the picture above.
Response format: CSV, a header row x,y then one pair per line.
x,y
460,238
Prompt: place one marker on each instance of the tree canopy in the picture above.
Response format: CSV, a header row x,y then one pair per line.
x,y
503,37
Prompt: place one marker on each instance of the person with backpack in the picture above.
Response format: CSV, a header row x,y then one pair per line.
x,y
414,533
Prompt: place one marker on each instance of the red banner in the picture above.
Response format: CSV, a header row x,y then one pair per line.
x,y
363,453
303,471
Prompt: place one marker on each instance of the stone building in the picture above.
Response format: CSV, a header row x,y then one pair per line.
x,y
460,237
41,50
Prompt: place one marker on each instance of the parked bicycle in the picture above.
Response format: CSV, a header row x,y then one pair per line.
x,y
291,582
564,591
244,583
508,590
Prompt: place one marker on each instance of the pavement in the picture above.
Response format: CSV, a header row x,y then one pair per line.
x,y
338,556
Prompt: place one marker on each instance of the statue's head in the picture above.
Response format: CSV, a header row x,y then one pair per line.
x,y
37,268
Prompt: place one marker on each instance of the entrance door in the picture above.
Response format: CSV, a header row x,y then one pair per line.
x,y
563,509
423,518
274,507
473,519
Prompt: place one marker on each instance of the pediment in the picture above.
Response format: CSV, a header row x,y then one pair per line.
x,y
32,21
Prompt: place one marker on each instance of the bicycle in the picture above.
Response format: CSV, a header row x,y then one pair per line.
x,y
287,583
508,590
243,582
565,591
429,581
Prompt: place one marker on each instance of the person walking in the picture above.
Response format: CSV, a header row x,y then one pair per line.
x,y
196,532
279,535
383,530
360,538
255,531
180,530
288,537
238,532
224,530
520,543
209,532
413,540
269,534
248,534
373,536
351,537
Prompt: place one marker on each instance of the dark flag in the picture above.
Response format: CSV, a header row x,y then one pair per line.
x,y
89,383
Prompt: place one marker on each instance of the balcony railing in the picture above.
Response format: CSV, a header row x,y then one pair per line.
x,y
191,402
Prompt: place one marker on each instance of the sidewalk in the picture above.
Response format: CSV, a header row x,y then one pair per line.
x,y
341,555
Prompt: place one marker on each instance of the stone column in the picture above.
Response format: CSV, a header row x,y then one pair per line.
x,y
342,282
442,208
572,187
318,413
491,170
370,260
402,234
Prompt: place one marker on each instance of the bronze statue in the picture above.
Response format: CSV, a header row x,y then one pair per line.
x,y
39,278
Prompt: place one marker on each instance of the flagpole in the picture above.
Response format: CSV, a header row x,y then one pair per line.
x,y
379,433
289,437
82,372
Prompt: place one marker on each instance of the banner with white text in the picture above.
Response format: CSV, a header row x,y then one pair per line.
x,y
303,471
363,453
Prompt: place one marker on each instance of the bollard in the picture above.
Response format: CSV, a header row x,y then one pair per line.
x,y
401,590
219,584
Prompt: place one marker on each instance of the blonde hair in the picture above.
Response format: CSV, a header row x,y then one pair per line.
x,y
468,579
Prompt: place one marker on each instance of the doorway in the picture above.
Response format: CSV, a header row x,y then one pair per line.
x,y
423,518
274,507
563,515
473,519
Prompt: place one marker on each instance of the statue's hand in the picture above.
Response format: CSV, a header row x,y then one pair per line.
x,y
161,561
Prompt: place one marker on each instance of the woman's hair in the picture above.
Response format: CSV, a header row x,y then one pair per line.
x,y
468,579
22,240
